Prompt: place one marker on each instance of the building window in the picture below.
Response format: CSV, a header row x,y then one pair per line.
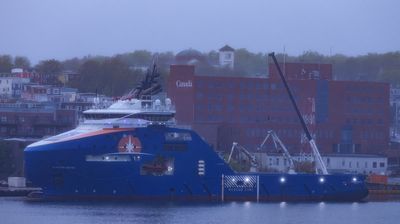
x,y
199,95
381,164
159,166
374,164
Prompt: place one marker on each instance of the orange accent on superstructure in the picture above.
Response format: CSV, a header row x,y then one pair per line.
x,y
129,144
99,132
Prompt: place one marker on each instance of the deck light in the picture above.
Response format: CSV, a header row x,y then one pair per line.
x,y
321,180
282,180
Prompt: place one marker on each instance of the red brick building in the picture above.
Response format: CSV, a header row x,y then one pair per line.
x,y
344,116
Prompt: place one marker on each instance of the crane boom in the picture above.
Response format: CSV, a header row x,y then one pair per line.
x,y
277,141
319,163
253,161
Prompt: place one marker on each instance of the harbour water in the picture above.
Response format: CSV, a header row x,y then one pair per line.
x,y
18,211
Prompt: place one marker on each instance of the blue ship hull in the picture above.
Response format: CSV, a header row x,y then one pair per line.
x,y
164,163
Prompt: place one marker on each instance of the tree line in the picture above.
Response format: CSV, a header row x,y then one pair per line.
x,y
118,74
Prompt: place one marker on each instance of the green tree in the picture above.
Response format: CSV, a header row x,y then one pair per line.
x,y
49,67
72,64
248,63
311,57
116,77
136,58
337,62
5,63
111,77
164,59
391,76
22,62
90,76
213,57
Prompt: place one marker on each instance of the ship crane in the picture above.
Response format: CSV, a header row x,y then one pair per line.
x,y
253,161
320,167
277,141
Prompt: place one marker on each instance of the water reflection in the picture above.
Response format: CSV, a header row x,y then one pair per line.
x,y
321,205
15,210
355,205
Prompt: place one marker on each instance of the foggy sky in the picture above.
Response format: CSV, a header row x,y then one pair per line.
x,y
73,28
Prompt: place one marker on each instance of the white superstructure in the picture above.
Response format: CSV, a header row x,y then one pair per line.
x,y
127,113
132,113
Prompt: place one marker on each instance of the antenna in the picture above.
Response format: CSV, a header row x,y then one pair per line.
x,y
284,59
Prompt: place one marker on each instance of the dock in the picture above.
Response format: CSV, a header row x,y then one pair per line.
x,y
16,191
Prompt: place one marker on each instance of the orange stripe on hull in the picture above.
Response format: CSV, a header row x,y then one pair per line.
x,y
99,132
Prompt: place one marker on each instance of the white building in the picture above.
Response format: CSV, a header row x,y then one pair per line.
x,y
357,163
12,86
17,70
227,57
6,86
68,94
335,163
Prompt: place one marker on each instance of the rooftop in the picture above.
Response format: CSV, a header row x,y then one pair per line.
x,y
226,48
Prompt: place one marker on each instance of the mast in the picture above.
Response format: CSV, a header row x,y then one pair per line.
x,y
148,86
320,165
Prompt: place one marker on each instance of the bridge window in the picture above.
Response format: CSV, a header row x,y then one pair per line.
x,y
178,136
108,158
175,147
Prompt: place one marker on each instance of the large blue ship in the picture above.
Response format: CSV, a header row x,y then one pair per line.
x,y
133,150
